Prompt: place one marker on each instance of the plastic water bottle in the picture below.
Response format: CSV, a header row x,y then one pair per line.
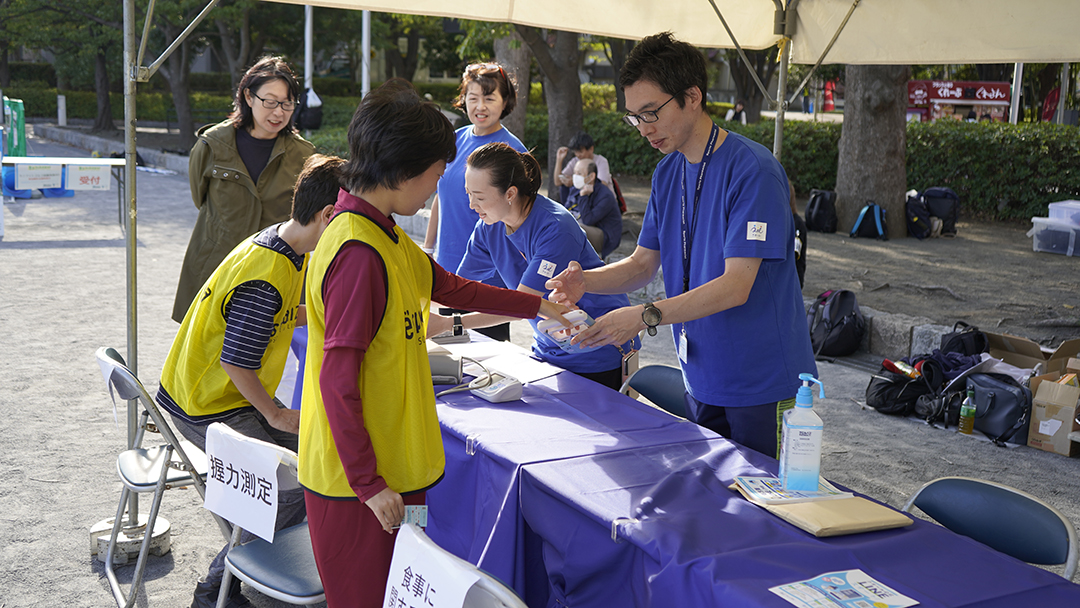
x,y
800,444
967,413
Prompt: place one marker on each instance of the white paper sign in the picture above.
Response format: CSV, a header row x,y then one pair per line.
x,y
89,177
424,576
28,177
241,481
1049,427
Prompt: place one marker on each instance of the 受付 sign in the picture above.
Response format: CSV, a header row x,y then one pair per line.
x,y
88,177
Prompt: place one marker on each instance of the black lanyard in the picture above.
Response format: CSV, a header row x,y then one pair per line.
x,y
689,228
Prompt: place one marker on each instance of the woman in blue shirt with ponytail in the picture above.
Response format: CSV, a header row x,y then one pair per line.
x,y
525,239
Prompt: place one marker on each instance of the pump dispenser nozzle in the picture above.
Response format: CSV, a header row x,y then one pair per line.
x,y
805,396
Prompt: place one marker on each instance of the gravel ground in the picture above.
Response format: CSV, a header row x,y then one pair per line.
x,y
62,280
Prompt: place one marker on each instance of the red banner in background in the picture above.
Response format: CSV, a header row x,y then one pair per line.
x,y
922,93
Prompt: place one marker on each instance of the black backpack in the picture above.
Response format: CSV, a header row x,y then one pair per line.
x,y
871,223
836,324
821,211
895,394
943,204
307,117
918,217
965,339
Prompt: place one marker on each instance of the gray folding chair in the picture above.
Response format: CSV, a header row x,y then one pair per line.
x,y
1003,518
661,384
145,469
285,568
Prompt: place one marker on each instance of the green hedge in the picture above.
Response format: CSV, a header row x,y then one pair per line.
x,y
41,102
1000,171
26,71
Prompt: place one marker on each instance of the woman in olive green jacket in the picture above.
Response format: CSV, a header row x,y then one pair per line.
x,y
242,172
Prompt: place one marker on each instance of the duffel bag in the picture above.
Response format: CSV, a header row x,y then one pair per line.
x,y
1002,408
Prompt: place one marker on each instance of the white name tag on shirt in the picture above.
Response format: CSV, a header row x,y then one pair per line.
x,y
546,269
755,231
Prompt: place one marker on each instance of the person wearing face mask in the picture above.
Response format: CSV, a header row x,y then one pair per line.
x,y
242,172
584,148
525,238
594,206
487,95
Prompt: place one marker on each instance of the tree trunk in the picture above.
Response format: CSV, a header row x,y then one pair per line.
x,y
617,50
764,64
872,163
512,53
412,54
236,57
5,68
562,89
104,120
176,70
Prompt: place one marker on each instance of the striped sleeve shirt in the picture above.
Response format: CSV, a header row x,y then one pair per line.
x,y
249,316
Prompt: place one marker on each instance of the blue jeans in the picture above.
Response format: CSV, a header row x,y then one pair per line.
x,y
754,426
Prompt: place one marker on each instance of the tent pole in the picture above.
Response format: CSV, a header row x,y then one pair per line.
x,y
781,103
309,61
129,226
1017,86
1063,94
365,50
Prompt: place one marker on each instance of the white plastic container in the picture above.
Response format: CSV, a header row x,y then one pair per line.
x,y
800,444
1055,236
562,334
1068,211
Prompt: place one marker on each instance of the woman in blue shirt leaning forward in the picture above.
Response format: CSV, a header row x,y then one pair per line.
x,y
526,239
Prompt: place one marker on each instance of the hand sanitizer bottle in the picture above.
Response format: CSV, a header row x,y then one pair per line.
x,y
800,444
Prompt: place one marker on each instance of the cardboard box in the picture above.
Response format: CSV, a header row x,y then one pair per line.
x,y
1053,414
1024,353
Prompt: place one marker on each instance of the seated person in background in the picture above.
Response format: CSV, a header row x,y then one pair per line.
x,y
594,206
800,236
582,145
737,113
228,356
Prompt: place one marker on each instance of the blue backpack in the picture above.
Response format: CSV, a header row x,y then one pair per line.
x,y
871,223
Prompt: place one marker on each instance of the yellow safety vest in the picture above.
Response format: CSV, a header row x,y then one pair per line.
x,y
192,374
395,378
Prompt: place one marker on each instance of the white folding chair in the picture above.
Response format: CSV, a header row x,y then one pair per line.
x,y
486,592
145,469
285,568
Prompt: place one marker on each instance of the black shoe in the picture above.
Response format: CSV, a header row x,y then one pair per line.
x,y
206,595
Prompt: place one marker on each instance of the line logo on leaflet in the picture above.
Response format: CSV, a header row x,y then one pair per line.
x,y
755,231
546,269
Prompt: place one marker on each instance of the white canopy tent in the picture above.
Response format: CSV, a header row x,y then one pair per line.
x,y
836,31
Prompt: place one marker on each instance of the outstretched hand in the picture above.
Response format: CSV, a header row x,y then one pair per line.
x,y
552,310
567,287
616,327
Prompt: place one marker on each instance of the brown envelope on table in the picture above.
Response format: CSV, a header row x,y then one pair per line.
x,y
837,517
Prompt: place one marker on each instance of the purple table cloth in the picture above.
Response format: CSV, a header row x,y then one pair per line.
x,y
684,539
474,512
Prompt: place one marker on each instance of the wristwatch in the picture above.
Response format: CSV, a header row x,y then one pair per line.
x,y
651,316
459,329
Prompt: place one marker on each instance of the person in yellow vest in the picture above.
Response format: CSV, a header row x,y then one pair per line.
x,y
228,356
369,436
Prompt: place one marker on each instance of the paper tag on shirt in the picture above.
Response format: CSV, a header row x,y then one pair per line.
x,y
755,231
546,269
684,344
415,514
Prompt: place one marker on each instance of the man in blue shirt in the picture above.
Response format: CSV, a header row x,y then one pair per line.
x,y
719,224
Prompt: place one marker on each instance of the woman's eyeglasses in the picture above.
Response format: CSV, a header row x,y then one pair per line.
x,y
647,116
271,104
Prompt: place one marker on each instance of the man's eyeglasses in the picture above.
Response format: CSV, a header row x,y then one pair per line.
x,y
647,116
271,104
